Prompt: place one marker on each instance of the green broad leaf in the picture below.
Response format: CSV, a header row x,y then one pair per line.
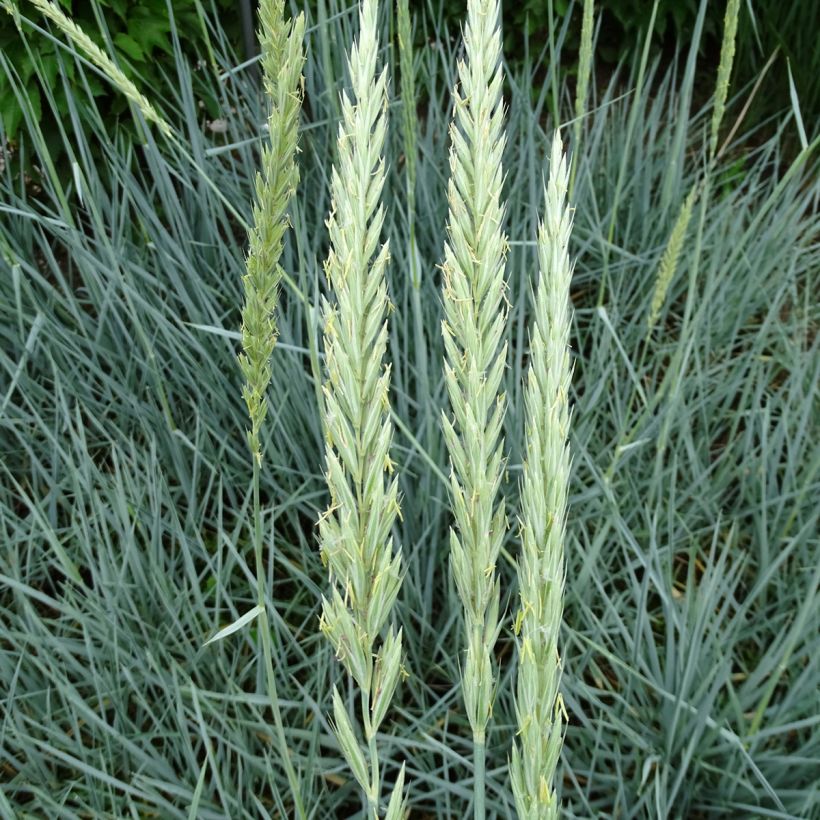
x,y
130,46
236,625
120,8
34,101
153,31
95,85
10,113
48,70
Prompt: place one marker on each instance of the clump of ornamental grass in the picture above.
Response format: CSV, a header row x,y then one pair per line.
x,y
98,57
544,489
355,531
282,61
475,315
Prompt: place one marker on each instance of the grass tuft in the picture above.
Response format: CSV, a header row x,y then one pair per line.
x,y
690,651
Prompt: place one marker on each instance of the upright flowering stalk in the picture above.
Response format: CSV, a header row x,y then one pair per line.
x,y
543,512
475,317
282,61
669,260
355,535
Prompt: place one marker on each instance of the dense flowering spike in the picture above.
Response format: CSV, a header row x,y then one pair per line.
x,y
109,68
543,511
355,530
282,61
474,323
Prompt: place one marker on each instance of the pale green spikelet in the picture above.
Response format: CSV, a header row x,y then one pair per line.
x,y
475,315
727,56
544,492
669,261
582,86
282,62
100,59
354,532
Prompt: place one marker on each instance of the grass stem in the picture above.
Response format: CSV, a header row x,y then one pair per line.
x,y
267,649
479,787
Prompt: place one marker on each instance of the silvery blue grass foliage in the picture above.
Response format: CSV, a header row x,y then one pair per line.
x,y
475,314
544,489
355,531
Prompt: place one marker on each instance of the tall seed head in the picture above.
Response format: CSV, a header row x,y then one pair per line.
x,y
354,532
100,59
727,56
475,315
544,491
282,61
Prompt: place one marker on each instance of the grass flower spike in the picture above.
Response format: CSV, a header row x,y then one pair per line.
x,y
355,530
727,57
675,244
282,61
475,316
543,511
582,86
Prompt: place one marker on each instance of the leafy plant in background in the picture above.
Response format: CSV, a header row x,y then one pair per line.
x,y
139,34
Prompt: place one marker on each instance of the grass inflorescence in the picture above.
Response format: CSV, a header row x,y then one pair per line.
x,y
355,530
544,494
473,328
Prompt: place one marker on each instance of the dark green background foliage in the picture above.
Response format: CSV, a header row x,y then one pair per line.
x,y
138,33
765,25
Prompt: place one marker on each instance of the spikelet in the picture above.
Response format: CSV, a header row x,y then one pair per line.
x,y
669,261
355,530
475,315
544,491
100,59
282,62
